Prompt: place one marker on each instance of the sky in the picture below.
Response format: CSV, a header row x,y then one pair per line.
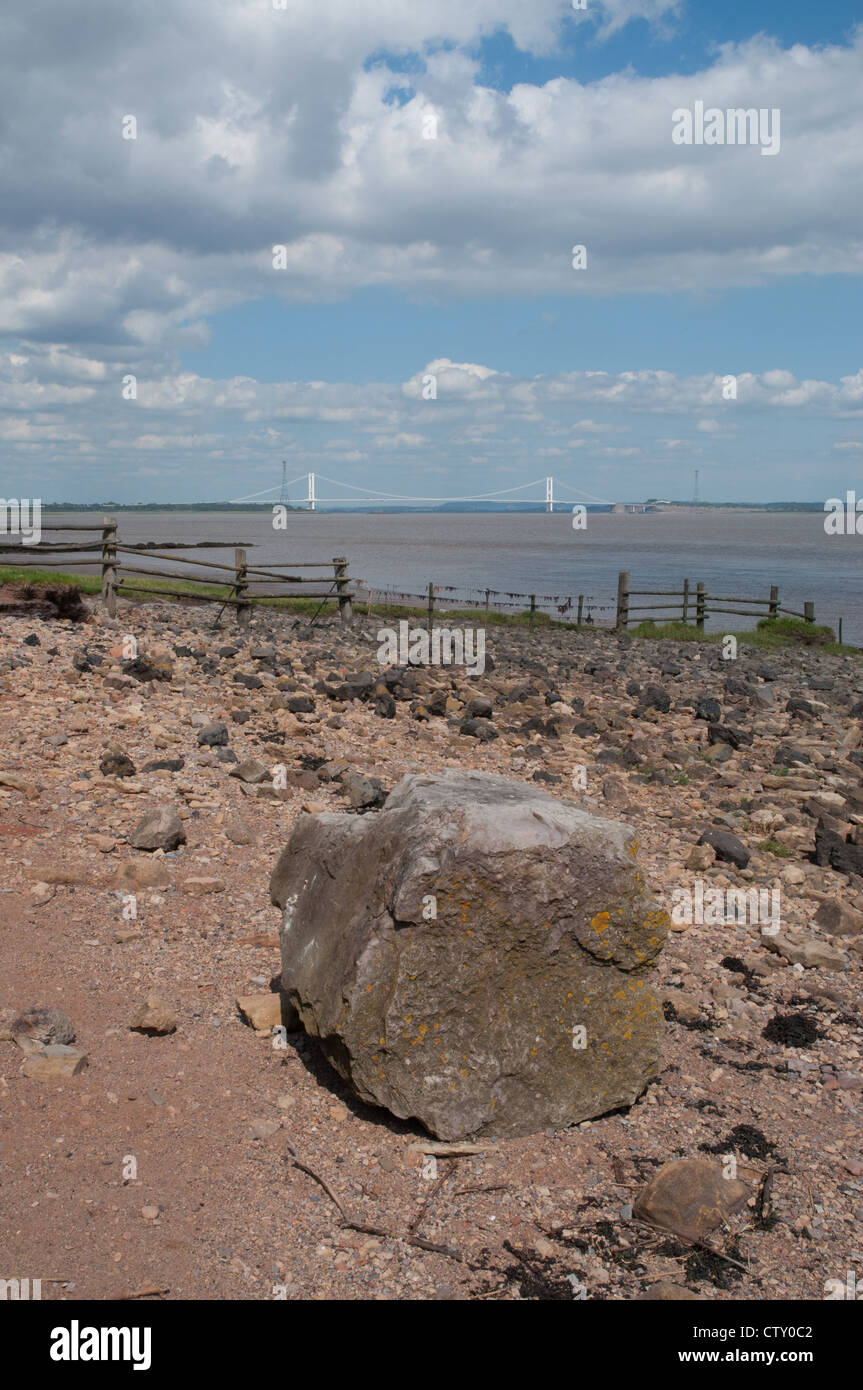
x,y
342,235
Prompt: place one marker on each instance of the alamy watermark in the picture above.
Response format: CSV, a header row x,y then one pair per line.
x,y
845,518
22,519
442,646
719,907
736,126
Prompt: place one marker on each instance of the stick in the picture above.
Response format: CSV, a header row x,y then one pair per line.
x,y
414,1226
690,1240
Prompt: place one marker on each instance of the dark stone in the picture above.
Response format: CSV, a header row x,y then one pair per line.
x,y
478,728
213,736
165,765
654,697
116,763
727,846
709,709
723,733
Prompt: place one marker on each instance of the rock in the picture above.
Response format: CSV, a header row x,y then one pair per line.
x,y
37,1028
839,919
201,886
471,1021
103,843
832,850
685,1006
478,728
251,771
116,763
165,765
154,1016
727,846
363,792
701,857
213,736
665,1292
55,1063
481,708
723,733
268,1011
241,833
264,1129
708,709
160,828
807,951
690,1196
133,874
654,697
156,667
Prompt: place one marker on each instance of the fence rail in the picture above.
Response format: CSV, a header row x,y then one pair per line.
x,y
701,602
244,584
241,582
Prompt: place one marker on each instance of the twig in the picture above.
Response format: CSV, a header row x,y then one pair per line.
x,y
493,1187
765,1192
348,1221
414,1226
691,1240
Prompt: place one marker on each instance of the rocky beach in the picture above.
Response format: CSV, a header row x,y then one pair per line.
x,y
169,1128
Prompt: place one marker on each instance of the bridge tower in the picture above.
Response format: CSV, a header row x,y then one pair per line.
x,y
549,494
312,498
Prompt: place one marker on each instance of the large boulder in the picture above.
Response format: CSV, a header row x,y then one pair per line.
x,y
475,955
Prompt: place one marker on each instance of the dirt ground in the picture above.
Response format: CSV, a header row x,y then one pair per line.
x,y
167,1167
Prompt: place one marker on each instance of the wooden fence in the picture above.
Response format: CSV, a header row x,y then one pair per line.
x,y
697,603
241,581
569,608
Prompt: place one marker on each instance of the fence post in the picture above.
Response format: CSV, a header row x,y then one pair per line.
x,y
773,611
431,606
580,607
487,592
809,611
700,597
241,585
532,608
622,619
340,568
109,564
840,632
685,599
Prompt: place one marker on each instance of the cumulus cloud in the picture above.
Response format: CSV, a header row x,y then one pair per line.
x,y
289,136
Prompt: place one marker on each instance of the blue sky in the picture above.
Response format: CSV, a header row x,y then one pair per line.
x,y
408,257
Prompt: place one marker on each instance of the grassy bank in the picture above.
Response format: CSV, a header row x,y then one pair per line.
x,y
768,635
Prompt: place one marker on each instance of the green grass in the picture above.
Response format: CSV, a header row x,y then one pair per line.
x,y
774,847
91,584
771,634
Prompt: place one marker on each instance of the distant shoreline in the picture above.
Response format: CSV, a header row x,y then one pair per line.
x,y
488,509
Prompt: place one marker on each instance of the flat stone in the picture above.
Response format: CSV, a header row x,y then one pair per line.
x,y
55,1063
154,1016
267,1011
160,828
690,1196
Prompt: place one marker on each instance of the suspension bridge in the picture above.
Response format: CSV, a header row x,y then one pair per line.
x,y
552,496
